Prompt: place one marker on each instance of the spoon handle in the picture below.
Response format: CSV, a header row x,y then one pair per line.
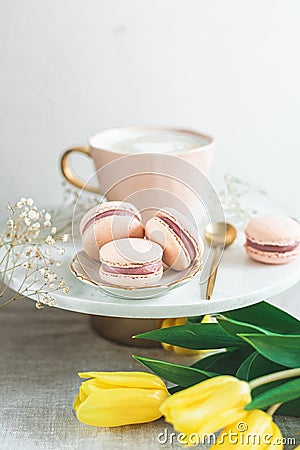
x,y
213,272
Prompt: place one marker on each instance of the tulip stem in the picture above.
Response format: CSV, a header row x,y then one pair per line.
x,y
273,409
290,373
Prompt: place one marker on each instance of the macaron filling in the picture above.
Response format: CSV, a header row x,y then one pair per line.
x,y
190,247
111,212
272,248
145,269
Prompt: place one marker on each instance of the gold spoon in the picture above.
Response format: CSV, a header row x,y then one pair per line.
x,y
219,235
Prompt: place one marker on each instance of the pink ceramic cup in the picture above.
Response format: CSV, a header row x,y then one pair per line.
x,y
150,143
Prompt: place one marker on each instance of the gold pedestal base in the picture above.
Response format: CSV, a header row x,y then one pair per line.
x,y
121,330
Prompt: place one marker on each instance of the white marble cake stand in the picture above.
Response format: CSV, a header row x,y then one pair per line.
x,y
240,282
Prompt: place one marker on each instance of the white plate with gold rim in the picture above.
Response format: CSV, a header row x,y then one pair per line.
x,y
86,270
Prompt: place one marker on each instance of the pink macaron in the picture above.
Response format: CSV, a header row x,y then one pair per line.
x,y
177,236
108,221
131,262
273,239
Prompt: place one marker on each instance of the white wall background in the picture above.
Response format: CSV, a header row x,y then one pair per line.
x,y
72,67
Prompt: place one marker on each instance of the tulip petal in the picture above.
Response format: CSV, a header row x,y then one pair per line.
x,y
116,407
207,406
187,351
260,433
76,402
81,396
167,347
111,380
90,386
277,441
166,323
199,392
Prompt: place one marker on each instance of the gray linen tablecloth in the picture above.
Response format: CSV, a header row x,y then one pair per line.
x,y
41,353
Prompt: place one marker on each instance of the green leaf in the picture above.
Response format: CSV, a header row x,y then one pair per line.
x,y
235,327
184,376
280,348
279,394
290,408
225,363
196,336
266,316
257,365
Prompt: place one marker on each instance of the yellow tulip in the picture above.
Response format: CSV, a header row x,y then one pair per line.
x,y
181,350
208,406
256,431
112,399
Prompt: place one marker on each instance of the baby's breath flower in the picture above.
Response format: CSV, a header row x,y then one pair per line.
x,y
39,305
32,214
50,277
50,240
27,221
24,225
21,202
28,250
27,265
37,253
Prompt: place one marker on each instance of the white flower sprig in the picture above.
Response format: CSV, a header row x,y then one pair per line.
x,y
31,243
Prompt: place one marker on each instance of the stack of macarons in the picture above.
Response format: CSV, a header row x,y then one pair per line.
x,y
132,254
273,239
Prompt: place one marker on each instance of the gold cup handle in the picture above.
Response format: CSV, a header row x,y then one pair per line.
x,y
68,173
